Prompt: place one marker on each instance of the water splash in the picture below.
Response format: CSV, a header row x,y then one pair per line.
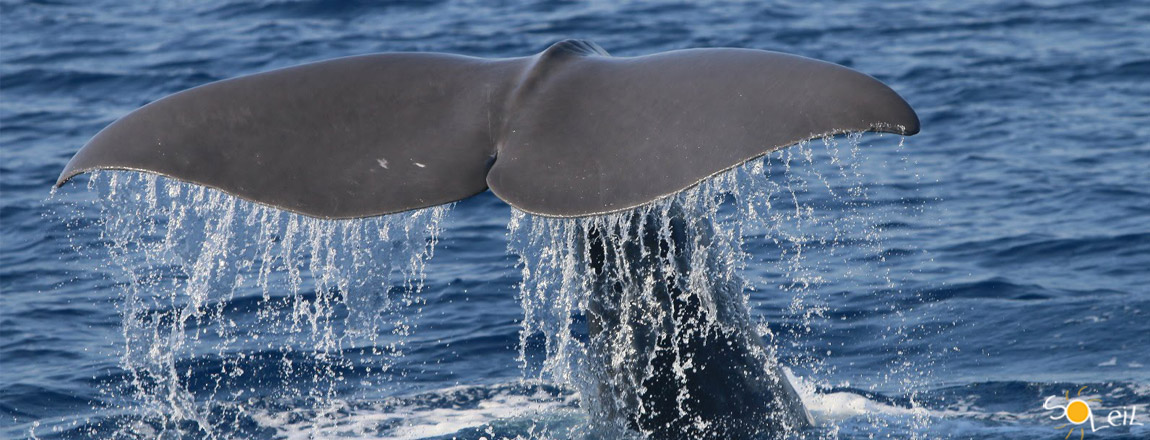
x,y
235,312
230,307
771,235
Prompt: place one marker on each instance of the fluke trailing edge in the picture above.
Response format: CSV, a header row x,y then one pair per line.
x,y
569,132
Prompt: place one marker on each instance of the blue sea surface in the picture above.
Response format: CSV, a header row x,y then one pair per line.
x,y
956,280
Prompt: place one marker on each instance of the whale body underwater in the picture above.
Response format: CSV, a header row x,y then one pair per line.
x,y
569,132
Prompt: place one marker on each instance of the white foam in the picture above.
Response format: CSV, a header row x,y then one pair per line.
x,y
835,407
413,420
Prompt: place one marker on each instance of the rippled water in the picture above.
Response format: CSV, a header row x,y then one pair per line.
x,y
946,289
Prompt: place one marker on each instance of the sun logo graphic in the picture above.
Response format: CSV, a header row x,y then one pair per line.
x,y
1077,412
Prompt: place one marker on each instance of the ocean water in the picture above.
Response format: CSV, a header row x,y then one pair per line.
x,y
939,286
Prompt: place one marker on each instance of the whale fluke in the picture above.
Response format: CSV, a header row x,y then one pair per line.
x,y
571,131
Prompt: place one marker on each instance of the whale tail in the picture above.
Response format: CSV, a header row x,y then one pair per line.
x,y
569,132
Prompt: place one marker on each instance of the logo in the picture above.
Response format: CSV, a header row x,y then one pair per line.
x,y
1077,412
